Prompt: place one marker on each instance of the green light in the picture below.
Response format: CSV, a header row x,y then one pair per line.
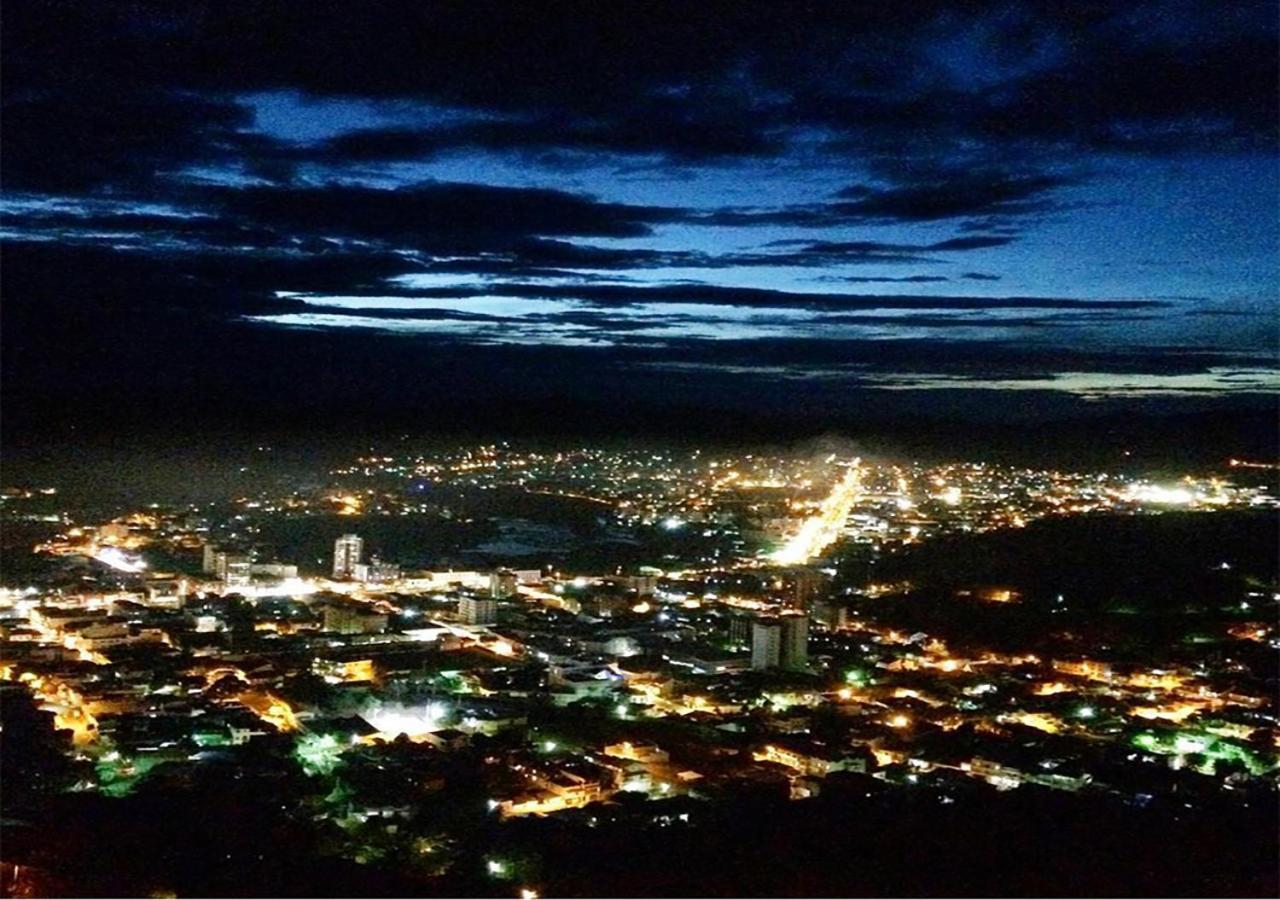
x,y
318,754
1214,750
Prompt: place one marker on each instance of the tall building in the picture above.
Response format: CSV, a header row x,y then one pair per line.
x,y
766,643
233,568
807,587
209,562
780,643
740,630
794,651
346,554
478,610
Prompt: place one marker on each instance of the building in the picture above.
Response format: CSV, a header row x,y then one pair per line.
x,y
811,758
209,559
794,650
807,587
353,618
766,644
273,570
347,551
503,584
375,571
528,576
478,610
167,592
235,569
740,630
643,585
780,643
638,751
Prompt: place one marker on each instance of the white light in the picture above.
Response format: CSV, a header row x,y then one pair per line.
x,y
1154,493
116,559
411,721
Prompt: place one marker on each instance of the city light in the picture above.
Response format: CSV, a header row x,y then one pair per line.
x,y
353,669
822,529
512,449
119,560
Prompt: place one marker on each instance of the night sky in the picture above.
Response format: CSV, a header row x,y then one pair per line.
x,y
328,216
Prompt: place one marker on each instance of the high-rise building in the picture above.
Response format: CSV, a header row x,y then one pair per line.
x,y
478,610
807,586
209,562
234,568
740,630
794,651
766,643
346,553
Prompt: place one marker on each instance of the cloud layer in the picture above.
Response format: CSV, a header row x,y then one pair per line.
x,y
900,193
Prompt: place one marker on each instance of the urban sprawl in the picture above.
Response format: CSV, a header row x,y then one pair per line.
x,y
588,625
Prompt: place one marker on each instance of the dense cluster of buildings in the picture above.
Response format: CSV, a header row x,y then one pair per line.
x,y
734,665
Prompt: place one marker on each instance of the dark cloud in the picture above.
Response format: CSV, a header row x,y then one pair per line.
x,y
964,195
98,93
628,294
90,135
996,195
483,230
440,214
973,242
800,252
161,213
1206,82
890,279
659,129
